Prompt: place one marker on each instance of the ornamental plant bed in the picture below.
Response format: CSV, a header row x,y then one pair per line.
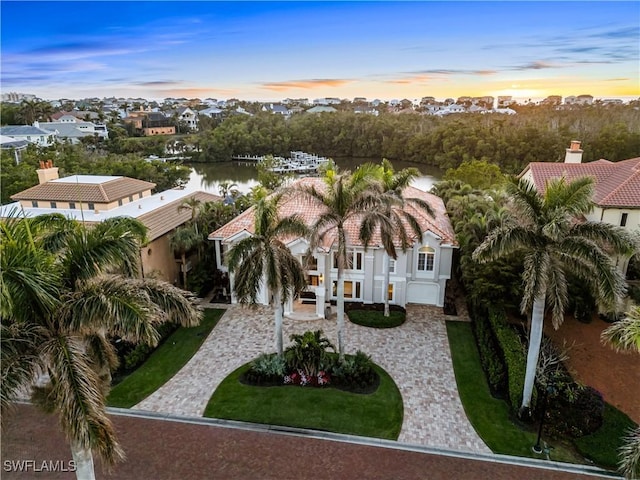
x,y
308,363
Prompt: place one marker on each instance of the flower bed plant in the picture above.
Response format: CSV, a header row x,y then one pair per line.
x,y
309,363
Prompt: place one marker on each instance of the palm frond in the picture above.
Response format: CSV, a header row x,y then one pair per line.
x,y
79,399
624,335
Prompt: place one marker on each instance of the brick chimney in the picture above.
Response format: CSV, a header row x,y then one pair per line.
x,y
574,153
47,172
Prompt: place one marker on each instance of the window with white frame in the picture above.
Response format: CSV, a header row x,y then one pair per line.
x,y
354,260
352,290
426,257
392,265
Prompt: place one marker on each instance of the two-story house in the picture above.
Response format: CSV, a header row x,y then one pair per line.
x,y
93,198
617,187
30,133
417,276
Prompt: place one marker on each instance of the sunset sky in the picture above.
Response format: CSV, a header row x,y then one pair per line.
x,y
274,50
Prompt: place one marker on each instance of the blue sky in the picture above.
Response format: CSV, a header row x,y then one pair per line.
x,y
274,50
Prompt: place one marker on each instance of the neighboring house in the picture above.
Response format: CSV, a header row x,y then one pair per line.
x,y
365,110
617,187
83,115
321,109
9,143
213,112
70,128
188,116
151,123
30,133
417,276
277,109
94,198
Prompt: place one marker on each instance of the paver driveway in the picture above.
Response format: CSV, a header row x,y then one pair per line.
x,y
415,354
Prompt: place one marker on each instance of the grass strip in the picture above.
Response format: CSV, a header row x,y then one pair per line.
x,y
377,415
163,363
491,417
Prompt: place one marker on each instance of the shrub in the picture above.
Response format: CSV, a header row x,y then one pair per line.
x,y
376,319
131,355
356,373
308,353
490,356
267,369
515,357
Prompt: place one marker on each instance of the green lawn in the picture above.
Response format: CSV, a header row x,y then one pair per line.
x,y
490,416
376,415
163,363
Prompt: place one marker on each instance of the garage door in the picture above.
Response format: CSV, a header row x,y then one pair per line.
x,y
423,293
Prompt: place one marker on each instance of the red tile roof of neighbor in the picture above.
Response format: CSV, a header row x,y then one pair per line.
x,y
295,203
617,183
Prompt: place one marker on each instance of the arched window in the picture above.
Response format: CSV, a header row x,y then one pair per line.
x,y
426,257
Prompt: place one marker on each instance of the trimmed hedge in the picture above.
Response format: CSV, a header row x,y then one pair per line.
x,y
515,357
490,356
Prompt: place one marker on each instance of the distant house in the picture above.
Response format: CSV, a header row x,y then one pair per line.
x,y
93,198
30,133
188,116
276,109
84,115
321,109
417,276
365,110
212,112
327,101
151,123
617,186
70,128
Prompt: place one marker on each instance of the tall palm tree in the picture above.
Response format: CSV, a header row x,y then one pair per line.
x,y
85,290
394,222
184,239
265,258
548,231
624,335
346,196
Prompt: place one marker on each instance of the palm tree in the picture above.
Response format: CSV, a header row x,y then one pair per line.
x,y
346,196
183,240
394,221
264,258
548,232
57,330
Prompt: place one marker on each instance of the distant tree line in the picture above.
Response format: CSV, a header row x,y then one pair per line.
x,y
539,134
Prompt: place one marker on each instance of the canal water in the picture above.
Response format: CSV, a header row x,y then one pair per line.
x,y
209,176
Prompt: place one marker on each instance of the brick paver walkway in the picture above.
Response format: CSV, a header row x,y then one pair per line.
x,y
416,355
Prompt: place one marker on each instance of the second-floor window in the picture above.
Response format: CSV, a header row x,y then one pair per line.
x,y
91,206
426,256
72,205
623,219
354,260
54,205
34,203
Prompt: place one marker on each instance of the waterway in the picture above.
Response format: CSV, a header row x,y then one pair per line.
x,y
209,176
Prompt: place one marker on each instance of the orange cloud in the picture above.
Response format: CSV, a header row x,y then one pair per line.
x,y
306,84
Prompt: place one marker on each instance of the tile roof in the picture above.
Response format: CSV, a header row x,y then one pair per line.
x,y
65,190
617,184
440,226
170,216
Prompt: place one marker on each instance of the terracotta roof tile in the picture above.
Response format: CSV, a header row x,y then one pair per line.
x,y
310,212
165,219
617,184
106,192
